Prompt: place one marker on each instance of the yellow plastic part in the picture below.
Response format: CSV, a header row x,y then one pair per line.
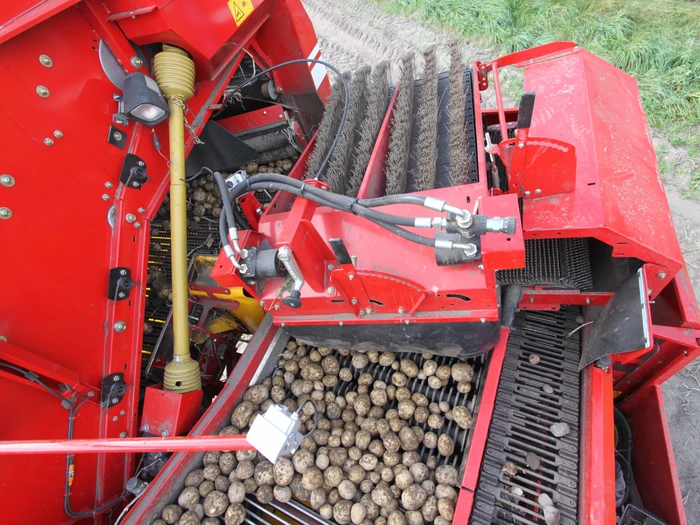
x,y
174,72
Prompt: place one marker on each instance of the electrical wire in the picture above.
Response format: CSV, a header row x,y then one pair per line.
x,y
201,172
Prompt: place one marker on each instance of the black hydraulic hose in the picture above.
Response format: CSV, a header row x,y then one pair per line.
x,y
409,236
228,208
392,199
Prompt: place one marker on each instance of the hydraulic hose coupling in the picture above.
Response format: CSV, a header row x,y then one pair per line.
x,y
174,72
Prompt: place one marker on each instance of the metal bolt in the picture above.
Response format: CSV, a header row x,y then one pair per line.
x,y
115,418
115,401
538,191
119,326
91,394
521,145
42,91
122,295
280,115
259,211
135,184
351,276
122,272
527,193
401,310
45,60
353,301
164,433
136,62
122,413
588,301
5,213
117,135
262,303
123,435
141,163
362,312
244,268
141,210
661,275
48,141
7,180
130,217
264,112
277,307
144,428
481,267
115,378
532,299
58,134
108,184
368,311
137,225
330,290
331,267
105,196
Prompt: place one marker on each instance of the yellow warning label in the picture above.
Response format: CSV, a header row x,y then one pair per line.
x,y
240,9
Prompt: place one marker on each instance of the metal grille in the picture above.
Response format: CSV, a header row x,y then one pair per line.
x,y
531,397
557,263
276,513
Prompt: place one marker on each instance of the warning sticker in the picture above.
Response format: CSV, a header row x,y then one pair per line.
x,y
240,9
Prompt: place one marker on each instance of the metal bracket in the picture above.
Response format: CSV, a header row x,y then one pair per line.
x,y
120,283
117,137
133,173
113,390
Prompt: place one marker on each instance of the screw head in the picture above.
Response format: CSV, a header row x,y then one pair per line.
x,y
330,290
48,141
353,301
42,91
538,191
661,275
141,210
401,310
137,225
144,428
527,193
141,163
5,213
108,184
259,211
588,301
368,311
122,413
122,295
340,323
7,180
45,60
123,435
115,378
135,184
122,272
130,217
277,307
164,433
330,267
521,145
119,326
407,321
137,62
105,196
362,312
91,394
58,134
351,276
117,135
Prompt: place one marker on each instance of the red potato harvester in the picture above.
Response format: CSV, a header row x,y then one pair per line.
x,y
210,198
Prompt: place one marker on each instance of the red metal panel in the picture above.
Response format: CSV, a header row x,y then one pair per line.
x,y
19,15
169,413
653,463
597,458
472,467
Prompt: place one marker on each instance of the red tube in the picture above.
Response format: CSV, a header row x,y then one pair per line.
x,y
100,446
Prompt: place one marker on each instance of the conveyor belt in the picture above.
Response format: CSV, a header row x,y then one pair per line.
x,y
533,394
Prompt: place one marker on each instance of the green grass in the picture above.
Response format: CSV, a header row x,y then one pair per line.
x,y
656,41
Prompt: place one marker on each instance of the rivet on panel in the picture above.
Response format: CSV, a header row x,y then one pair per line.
x,y
48,141
5,213
42,91
45,60
58,134
7,180
130,217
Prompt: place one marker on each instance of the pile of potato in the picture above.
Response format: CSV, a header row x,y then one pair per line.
x,y
362,463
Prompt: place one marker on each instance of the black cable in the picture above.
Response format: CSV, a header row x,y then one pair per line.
x,y
228,208
34,377
199,174
345,95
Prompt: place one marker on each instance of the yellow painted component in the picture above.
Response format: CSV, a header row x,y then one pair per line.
x,y
174,72
217,325
249,312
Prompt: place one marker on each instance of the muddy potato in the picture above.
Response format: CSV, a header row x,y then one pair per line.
x,y
227,463
446,508
345,374
356,474
333,411
250,485
326,511
408,438
241,415
194,478
302,460
414,517
291,366
429,367
391,392
362,404
406,409
366,486
211,472
376,447
378,397
347,489
358,512
381,495
221,483
215,504
436,421
236,492
396,517
171,514
264,473
434,382
315,356
329,381
374,477
257,394
413,497
420,472
383,427
189,518
320,436
421,414
210,521
322,461
429,510
206,487
402,394
391,442
368,462
312,372
464,387
386,358
277,394
419,399
330,365
408,367
297,490
188,498
244,470
332,476
443,372
429,486
462,372
430,440
362,439
312,478
446,475
289,378
333,496
349,463
397,424
399,379
446,445
369,424
211,458
348,415
235,514
403,479
445,491
317,498
341,512
337,456
410,457
355,452
360,361
462,416
444,406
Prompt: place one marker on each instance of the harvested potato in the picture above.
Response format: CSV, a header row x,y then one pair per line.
x,y
250,485
410,457
211,458
429,486
171,514
362,404
206,487
391,458
446,475
414,517
464,387
189,518
436,421
317,498
341,512
235,514
236,492
397,424
376,447
408,367
221,483
402,393
383,427
356,474
413,497
368,462
408,438
264,473
282,494
387,358
446,445
429,367
429,510
297,490
326,511
381,495
445,491
446,508
215,504
434,382
312,478
245,470
360,361
406,409
242,413
345,374
399,379
403,479
302,460
194,478
378,397
366,486
430,440
444,406
337,456
369,424
347,489
443,372
358,512
462,416
420,472
322,461
396,517
419,399
188,498
312,372
256,394
330,365
333,496
391,392
227,462
462,372
391,442
332,476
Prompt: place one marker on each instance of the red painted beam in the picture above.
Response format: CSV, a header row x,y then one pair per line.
x,y
99,446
